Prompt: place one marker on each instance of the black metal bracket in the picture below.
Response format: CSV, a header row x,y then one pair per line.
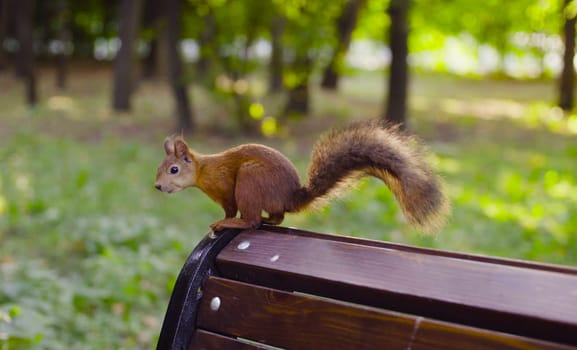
x,y
180,315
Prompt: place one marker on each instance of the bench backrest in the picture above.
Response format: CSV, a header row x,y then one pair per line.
x,y
285,288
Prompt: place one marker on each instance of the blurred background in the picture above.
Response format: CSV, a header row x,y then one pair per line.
x,y
89,250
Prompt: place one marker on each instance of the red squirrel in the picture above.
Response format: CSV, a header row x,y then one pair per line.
x,y
252,178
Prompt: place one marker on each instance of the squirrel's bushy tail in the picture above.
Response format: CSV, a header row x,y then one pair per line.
x,y
371,148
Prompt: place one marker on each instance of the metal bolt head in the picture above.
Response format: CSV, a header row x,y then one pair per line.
x,y
215,304
243,245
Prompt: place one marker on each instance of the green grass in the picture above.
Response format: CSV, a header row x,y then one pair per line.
x,y
89,250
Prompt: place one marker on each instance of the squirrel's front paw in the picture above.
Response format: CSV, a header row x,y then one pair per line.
x,y
235,223
215,227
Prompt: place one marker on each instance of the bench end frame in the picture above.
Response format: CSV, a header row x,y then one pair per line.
x,y
180,316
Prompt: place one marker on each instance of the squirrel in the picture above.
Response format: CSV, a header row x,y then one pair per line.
x,y
253,178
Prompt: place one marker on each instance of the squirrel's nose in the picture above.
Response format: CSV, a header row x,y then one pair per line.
x,y
158,187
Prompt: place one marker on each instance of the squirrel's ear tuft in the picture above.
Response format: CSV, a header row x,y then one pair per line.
x,y
181,150
169,145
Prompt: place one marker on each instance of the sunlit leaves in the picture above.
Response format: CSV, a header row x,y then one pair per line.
x,y
373,21
570,10
269,126
560,186
256,110
310,24
497,24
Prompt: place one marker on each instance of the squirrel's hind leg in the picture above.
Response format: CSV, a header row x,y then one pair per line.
x,y
273,219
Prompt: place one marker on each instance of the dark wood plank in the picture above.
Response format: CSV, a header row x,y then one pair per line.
x,y
440,335
298,322
206,340
426,251
294,321
512,299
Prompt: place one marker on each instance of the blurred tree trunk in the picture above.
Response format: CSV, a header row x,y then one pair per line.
x,y
398,83
63,36
275,82
206,40
346,24
567,77
176,73
25,30
149,63
3,31
298,100
162,47
150,20
83,43
155,63
128,15
298,93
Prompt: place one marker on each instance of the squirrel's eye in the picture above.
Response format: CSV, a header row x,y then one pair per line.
x,y
173,169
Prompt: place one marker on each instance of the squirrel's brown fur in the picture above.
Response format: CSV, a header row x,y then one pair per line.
x,y
254,178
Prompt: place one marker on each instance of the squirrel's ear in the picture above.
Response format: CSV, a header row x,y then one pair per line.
x,y
169,145
182,151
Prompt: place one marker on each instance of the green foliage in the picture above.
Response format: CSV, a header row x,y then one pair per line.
x,y
490,22
310,23
310,27
82,257
373,21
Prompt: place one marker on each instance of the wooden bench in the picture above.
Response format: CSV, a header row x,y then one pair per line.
x,y
284,288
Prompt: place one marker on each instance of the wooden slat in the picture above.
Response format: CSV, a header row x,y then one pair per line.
x,y
440,335
512,299
294,321
425,251
211,341
291,321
